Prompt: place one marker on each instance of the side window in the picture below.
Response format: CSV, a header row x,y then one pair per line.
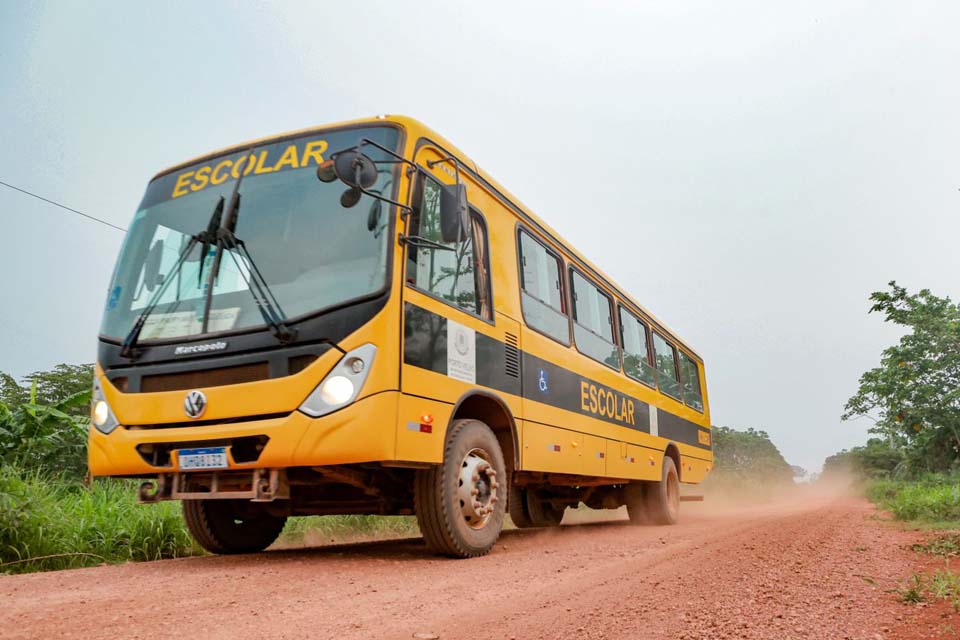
x,y
541,294
453,271
593,321
666,358
633,336
690,379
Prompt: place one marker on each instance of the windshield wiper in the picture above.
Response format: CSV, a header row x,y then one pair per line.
x,y
207,237
420,241
264,297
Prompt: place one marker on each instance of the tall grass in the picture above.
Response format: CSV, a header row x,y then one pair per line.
x,y
47,524
934,499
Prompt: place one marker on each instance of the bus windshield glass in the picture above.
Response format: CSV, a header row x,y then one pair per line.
x,y
312,252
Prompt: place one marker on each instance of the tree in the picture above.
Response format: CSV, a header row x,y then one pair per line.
x,y
877,459
749,455
914,395
44,423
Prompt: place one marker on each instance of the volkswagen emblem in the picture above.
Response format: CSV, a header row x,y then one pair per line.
x,y
195,404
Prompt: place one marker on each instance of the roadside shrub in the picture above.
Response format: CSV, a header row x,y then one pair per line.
x,y
931,499
49,524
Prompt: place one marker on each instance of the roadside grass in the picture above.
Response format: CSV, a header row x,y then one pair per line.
x,y
947,545
933,500
942,584
320,529
48,524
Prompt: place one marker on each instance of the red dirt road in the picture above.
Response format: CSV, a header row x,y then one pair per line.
x,y
815,568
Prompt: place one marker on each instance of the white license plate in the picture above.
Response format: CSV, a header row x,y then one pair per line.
x,y
205,458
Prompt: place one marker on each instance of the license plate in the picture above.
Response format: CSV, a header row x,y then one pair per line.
x,y
205,458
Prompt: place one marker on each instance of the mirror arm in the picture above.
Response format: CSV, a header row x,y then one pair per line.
x,y
452,160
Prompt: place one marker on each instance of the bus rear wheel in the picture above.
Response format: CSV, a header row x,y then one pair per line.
x,y
459,503
543,513
663,498
231,526
517,507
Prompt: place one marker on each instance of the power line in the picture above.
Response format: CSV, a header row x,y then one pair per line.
x,y
63,206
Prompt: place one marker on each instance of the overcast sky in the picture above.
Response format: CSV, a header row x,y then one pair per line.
x,y
749,171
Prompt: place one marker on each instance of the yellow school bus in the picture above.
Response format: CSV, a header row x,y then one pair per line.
x,y
356,319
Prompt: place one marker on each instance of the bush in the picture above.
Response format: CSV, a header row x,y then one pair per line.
x,y
932,499
50,524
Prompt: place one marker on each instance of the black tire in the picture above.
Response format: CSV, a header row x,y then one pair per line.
x,y
663,498
445,528
634,496
517,507
231,526
542,512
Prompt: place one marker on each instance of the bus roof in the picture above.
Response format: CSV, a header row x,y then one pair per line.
x,y
417,130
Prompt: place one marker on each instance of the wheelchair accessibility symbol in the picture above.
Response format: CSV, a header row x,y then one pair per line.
x,y
542,381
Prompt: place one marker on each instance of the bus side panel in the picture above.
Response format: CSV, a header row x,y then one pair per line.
x,y
633,462
693,469
594,456
551,449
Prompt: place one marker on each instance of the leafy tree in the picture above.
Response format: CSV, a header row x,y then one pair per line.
x,y
913,397
44,423
877,459
49,438
749,455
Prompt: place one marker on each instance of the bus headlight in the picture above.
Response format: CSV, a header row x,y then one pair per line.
x,y
101,415
343,384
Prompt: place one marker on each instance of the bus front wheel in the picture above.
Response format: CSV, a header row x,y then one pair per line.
x,y
461,502
231,526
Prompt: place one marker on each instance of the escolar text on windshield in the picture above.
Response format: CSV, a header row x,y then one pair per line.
x,y
274,158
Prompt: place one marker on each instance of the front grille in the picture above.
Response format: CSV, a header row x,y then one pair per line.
x,y
205,423
205,379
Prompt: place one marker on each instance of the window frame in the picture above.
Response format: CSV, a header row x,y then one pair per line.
x,y
564,298
613,321
475,213
621,308
699,366
676,366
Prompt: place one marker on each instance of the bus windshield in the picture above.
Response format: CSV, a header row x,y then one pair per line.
x,y
312,251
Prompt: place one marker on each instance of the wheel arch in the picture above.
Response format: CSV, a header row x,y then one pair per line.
x,y
493,411
673,452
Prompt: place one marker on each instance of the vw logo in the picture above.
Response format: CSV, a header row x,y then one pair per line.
x,y
195,404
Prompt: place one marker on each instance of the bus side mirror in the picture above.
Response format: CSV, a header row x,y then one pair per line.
x,y
151,267
454,213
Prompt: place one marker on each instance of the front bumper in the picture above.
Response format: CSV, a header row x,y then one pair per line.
x,y
364,431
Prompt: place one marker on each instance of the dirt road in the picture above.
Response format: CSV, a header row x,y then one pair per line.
x,y
813,568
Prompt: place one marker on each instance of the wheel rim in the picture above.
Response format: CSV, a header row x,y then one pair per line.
x,y
477,488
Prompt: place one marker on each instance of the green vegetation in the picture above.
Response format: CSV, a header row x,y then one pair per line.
x,y
52,517
942,584
913,397
947,545
748,456
53,524
934,499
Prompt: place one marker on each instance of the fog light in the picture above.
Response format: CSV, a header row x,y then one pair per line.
x,y
100,413
336,390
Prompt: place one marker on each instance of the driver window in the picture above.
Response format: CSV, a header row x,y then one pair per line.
x,y
452,271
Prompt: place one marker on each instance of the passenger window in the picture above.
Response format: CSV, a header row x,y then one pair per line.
x,y
666,360
541,294
690,379
636,362
593,321
452,271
